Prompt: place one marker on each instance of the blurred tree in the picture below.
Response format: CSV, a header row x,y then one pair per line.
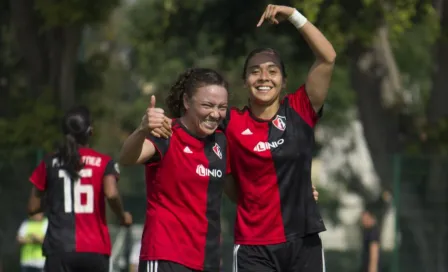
x,y
48,35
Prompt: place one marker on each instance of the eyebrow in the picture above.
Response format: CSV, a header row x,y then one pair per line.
x,y
258,66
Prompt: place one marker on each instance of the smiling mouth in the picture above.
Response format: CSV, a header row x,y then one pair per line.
x,y
210,124
263,88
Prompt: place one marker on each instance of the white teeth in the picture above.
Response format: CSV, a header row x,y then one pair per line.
x,y
263,88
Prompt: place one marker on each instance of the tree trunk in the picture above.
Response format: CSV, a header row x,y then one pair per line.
x,y
50,56
72,35
26,30
376,79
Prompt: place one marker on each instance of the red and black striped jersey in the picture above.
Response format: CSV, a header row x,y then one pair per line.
x,y
75,208
271,161
184,188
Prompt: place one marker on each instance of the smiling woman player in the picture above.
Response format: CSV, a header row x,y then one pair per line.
x,y
184,175
271,142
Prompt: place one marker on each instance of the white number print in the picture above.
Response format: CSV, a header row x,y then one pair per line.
x,y
78,190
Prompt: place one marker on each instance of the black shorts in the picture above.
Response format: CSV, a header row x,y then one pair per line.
x,y
301,255
77,261
162,266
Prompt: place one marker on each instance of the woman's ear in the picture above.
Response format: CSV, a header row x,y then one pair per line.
x,y
186,101
285,80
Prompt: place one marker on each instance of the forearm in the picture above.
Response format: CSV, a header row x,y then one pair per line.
x,y
321,47
374,256
373,267
116,206
132,147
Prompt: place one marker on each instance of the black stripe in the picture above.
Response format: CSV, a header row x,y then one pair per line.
x,y
214,196
61,225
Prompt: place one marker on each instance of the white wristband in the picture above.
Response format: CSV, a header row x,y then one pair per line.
x,y
297,19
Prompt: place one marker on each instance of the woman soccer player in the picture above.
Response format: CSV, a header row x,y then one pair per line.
x,y
75,180
271,142
184,175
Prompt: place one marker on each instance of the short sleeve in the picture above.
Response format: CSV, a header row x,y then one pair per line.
x,y
161,145
374,235
112,168
22,229
39,176
301,103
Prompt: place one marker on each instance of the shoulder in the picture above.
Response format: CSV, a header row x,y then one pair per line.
x,y
95,153
235,113
49,157
238,111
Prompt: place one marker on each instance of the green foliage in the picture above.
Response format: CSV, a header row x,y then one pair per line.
x,y
36,125
74,12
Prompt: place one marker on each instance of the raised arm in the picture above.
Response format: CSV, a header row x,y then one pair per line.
x,y
137,149
319,76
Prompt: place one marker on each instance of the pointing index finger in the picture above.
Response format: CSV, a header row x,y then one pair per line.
x,y
261,19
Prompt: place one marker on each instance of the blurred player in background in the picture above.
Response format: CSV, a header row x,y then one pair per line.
x,y
31,237
74,182
371,242
135,256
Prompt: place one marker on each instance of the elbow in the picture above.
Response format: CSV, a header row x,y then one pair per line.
x,y
332,57
111,194
124,159
329,58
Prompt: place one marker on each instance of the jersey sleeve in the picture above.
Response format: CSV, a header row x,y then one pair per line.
x,y
375,235
22,230
39,176
301,103
112,168
161,145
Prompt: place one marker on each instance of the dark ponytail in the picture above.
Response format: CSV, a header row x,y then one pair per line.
x,y
76,127
187,83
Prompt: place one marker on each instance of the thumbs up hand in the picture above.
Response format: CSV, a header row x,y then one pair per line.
x,y
153,118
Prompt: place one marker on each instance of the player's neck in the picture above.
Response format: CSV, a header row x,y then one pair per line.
x,y
189,125
265,112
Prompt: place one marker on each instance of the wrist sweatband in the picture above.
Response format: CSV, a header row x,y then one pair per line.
x,y
297,19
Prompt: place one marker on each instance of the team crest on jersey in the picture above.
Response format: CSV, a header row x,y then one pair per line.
x,y
217,150
279,122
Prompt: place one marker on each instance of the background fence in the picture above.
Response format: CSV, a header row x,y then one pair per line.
x,y
420,199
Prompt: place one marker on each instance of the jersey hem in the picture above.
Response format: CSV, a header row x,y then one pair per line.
x,y
184,263
277,240
55,252
38,186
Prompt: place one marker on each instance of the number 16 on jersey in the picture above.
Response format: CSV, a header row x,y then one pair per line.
x,y
78,190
